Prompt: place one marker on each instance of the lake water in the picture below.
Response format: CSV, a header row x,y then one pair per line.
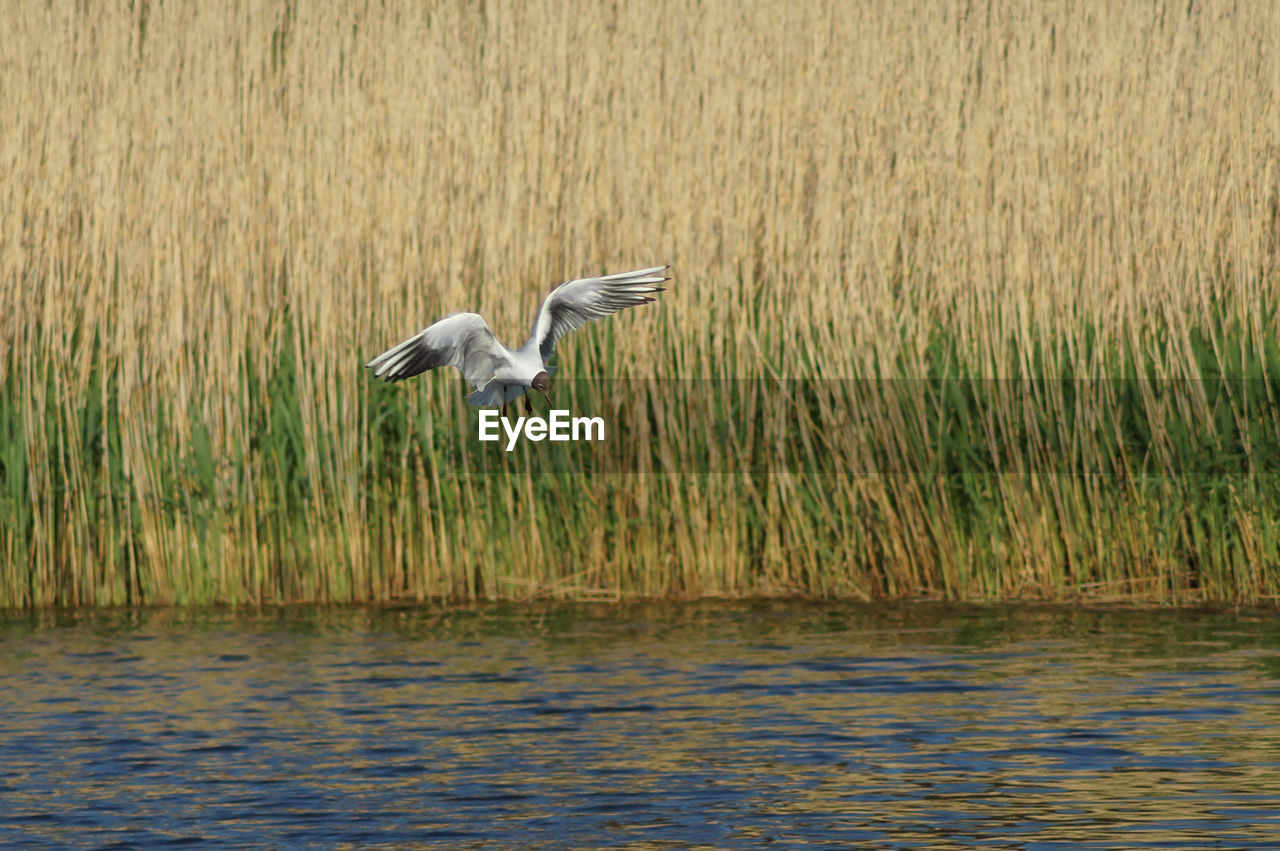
x,y
641,726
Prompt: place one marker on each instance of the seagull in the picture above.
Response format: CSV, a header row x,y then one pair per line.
x,y
498,374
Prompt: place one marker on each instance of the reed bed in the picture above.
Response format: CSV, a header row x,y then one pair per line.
x,y
971,300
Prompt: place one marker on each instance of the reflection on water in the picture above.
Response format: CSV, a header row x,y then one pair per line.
x,y
648,726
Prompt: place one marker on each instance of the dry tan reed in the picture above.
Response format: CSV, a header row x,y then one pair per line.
x,y
212,213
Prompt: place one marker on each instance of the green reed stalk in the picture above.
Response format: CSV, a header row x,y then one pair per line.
x,y
213,214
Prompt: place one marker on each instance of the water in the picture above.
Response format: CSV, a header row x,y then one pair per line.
x,y
647,726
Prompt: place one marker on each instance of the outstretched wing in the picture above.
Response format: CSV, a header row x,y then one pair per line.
x,y
575,303
462,340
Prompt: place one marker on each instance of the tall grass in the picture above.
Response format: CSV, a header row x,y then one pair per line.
x,y
212,214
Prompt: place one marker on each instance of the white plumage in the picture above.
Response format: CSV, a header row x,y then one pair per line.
x,y
498,374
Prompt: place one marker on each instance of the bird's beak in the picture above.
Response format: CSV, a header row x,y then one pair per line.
x,y
546,394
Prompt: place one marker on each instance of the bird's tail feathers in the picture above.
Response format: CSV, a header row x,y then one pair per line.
x,y
495,393
487,396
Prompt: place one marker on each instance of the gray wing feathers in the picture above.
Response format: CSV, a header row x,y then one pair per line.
x,y
575,303
462,340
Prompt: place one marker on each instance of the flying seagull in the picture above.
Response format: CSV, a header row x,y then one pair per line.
x,y
498,374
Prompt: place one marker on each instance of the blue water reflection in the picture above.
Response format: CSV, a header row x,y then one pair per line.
x,y
645,726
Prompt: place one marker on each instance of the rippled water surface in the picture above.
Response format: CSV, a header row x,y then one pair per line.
x,y
647,726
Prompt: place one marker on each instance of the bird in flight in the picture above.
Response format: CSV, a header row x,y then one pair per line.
x,y
498,374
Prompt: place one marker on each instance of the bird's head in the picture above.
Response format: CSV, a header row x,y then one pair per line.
x,y
542,383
